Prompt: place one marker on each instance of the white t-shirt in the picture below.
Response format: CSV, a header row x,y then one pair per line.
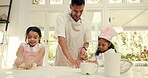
x,y
36,48
100,57
75,34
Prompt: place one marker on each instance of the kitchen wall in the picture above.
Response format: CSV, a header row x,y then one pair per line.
x,y
16,29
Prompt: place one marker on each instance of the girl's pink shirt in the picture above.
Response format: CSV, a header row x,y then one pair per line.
x,y
28,54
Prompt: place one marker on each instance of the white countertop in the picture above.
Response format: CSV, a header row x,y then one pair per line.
x,y
68,72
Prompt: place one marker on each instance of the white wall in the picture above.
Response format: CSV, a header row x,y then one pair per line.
x,y
19,19
16,28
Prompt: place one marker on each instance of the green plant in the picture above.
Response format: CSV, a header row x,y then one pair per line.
x,y
132,45
139,56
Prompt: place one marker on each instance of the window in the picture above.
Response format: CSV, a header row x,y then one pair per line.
x,y
38,19
56,1
38,2
93,1
95,19
115,1
52,42
132,41
134,1
132,45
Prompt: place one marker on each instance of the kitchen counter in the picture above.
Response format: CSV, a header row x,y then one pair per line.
x,y
68,72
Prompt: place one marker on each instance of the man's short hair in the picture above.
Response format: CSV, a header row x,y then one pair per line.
x,y
77,2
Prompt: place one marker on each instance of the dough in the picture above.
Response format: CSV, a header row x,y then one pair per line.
x,y
23,67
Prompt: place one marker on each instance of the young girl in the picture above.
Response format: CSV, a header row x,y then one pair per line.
x,y
32,51
105,45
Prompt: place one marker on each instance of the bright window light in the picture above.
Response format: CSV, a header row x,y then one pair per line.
x,y
134,1
56,1
115,1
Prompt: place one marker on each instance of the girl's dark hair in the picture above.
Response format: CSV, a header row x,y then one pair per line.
x,y
110,47
35,29
77,2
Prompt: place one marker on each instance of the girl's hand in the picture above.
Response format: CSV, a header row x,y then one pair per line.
x,y
82,55
89,61
29,63
18,61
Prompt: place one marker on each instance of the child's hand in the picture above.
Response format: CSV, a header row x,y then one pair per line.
x,y
89,61
18,61
29,63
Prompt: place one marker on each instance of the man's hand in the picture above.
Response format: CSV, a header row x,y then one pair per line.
x,y
82,55
76,63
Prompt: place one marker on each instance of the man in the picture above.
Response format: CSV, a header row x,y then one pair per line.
x,y
73,36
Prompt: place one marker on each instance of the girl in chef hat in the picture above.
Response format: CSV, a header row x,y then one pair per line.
x,y
104,40
105,45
